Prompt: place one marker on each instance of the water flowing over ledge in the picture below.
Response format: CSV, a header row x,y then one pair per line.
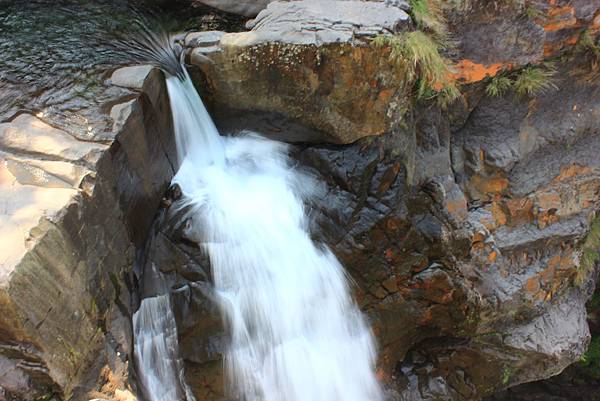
x,y
295,332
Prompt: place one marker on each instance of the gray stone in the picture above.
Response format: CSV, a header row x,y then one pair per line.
x,y
320,22
131,77
248,8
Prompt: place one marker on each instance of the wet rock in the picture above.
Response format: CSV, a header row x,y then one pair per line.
x,y
65,324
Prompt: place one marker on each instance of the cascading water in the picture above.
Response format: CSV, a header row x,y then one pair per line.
x,y
296,334
157,351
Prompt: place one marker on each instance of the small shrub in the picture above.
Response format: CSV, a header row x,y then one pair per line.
x,y
533,81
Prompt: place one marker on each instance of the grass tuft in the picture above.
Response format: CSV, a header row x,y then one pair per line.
x,y
418,56
589,47
429,16
532,13
533,81
529,81
498,86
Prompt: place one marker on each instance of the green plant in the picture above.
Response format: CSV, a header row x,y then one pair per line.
x,y
590,360
498,86
589,47
589,252
429,16
507,372
533,81
594,302
532,13
418,57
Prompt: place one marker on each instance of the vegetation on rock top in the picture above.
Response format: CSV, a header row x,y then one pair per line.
x,y
418,54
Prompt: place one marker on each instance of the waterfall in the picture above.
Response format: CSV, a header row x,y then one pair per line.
x,y
296,334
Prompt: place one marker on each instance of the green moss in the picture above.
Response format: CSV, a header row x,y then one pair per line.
x,y
589,252
590,361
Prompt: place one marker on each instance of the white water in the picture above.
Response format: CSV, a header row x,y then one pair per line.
x,y
296,334
157,351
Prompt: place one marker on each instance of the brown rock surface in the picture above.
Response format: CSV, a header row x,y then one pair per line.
x,y
305,63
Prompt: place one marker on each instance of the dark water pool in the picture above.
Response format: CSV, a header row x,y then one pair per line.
x,y
56,54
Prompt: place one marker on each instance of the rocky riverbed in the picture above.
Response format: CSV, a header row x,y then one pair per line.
x,y
469,228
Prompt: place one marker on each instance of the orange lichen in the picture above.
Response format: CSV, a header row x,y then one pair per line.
x,y
560,18
519,210
548,200
498,213
532,285
571,171
552,48
467,71
457,207
489,185
595,26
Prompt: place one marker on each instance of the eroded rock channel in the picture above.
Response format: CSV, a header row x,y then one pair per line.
x,y
469,228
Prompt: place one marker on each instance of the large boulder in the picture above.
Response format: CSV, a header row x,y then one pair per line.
x,y
304,63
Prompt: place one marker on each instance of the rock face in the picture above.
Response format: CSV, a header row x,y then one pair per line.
x,y
74,212
472,277
296,66
464,230
471,233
